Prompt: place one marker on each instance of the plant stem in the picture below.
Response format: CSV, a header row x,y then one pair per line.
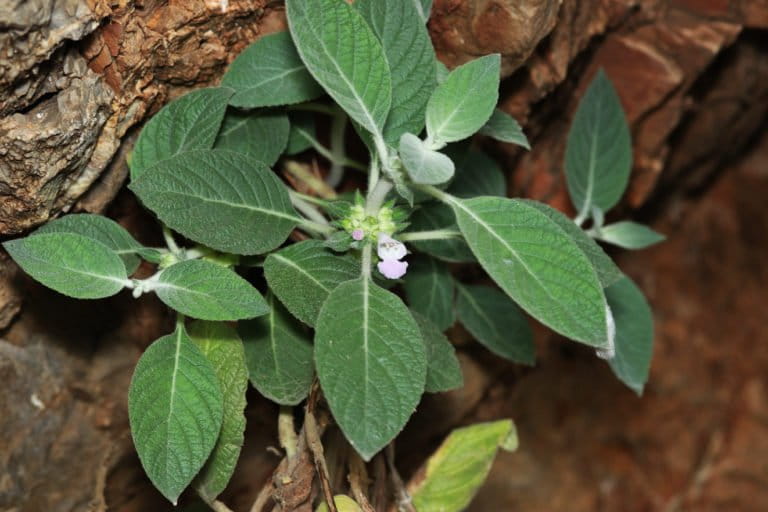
x,y
438,194
435,234
316,447
377,196
338,125
218,506
366,262
404,502
317,185
169,241
307,209
285,431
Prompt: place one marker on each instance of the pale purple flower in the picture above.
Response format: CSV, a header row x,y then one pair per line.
x,y
389,248
358,234
393,269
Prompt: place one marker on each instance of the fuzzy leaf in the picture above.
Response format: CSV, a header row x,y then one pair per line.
x,y
190,122
477,174
496,322
258,134
501,126
71,264
629,235
371,363
429,290
224,200
303,274
269,72
221,345
175,408
423,165
302,133
279,355
202,289
443,369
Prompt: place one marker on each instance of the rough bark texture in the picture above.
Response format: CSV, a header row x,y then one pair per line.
x,y
76,77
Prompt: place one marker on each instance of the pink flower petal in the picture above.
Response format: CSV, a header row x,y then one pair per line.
x,y
358,234
393,269
390,249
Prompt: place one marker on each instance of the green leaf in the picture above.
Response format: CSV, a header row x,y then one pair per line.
x,y
101,229
221,345
429,290
424,8
442,71
302,133
537,264
221,199
455,472
408,49
477,174
423,165
202,289
279,355
462,104
189,122
598,154
344,56
634,334
443,369
502,126
629,235
262,135
607,271
175,408
371,363
496,322
432,216
303,274
71,264
269,72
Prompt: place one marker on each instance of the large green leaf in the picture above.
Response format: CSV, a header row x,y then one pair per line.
x,y
607,271
225,200
202,289
598,154
345,57
629,235
262,135
455,472
634,333
103,230
462,104
175,407
537,264
71,264
501,126
279,355
443,369
429,290
269,72
221,345
423,165
430,216
401,30
303,274
190,122
477,174
496,322
371,363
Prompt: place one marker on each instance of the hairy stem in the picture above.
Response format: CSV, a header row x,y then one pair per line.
x,y
285,431
435,234
169,241
338,125
307,209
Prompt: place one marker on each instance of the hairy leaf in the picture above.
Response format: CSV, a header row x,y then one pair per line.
x,y
501,126
443,369
423,165
477,174
262,135
429,290
629,235
302,133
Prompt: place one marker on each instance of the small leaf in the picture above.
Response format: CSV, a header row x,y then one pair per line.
x,y
262,135
221,199
302,132
607,271
269,72
477,174
303,274
630,235
598,154
221,345
71,264
424,166
634,334
202,289
462,104
443,369
103,230
344,56
190,122
408,49
496,322
501,126
429,290
434,215
455,472
279,355
371,363
537,264
175,408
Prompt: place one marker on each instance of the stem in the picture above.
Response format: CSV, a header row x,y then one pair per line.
x,y
435,234
366,262
438,194
373,175
359,482
307,209
316,447
169,241
377,196
285,431
338,127
218,506
581,217
404,502
317,185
